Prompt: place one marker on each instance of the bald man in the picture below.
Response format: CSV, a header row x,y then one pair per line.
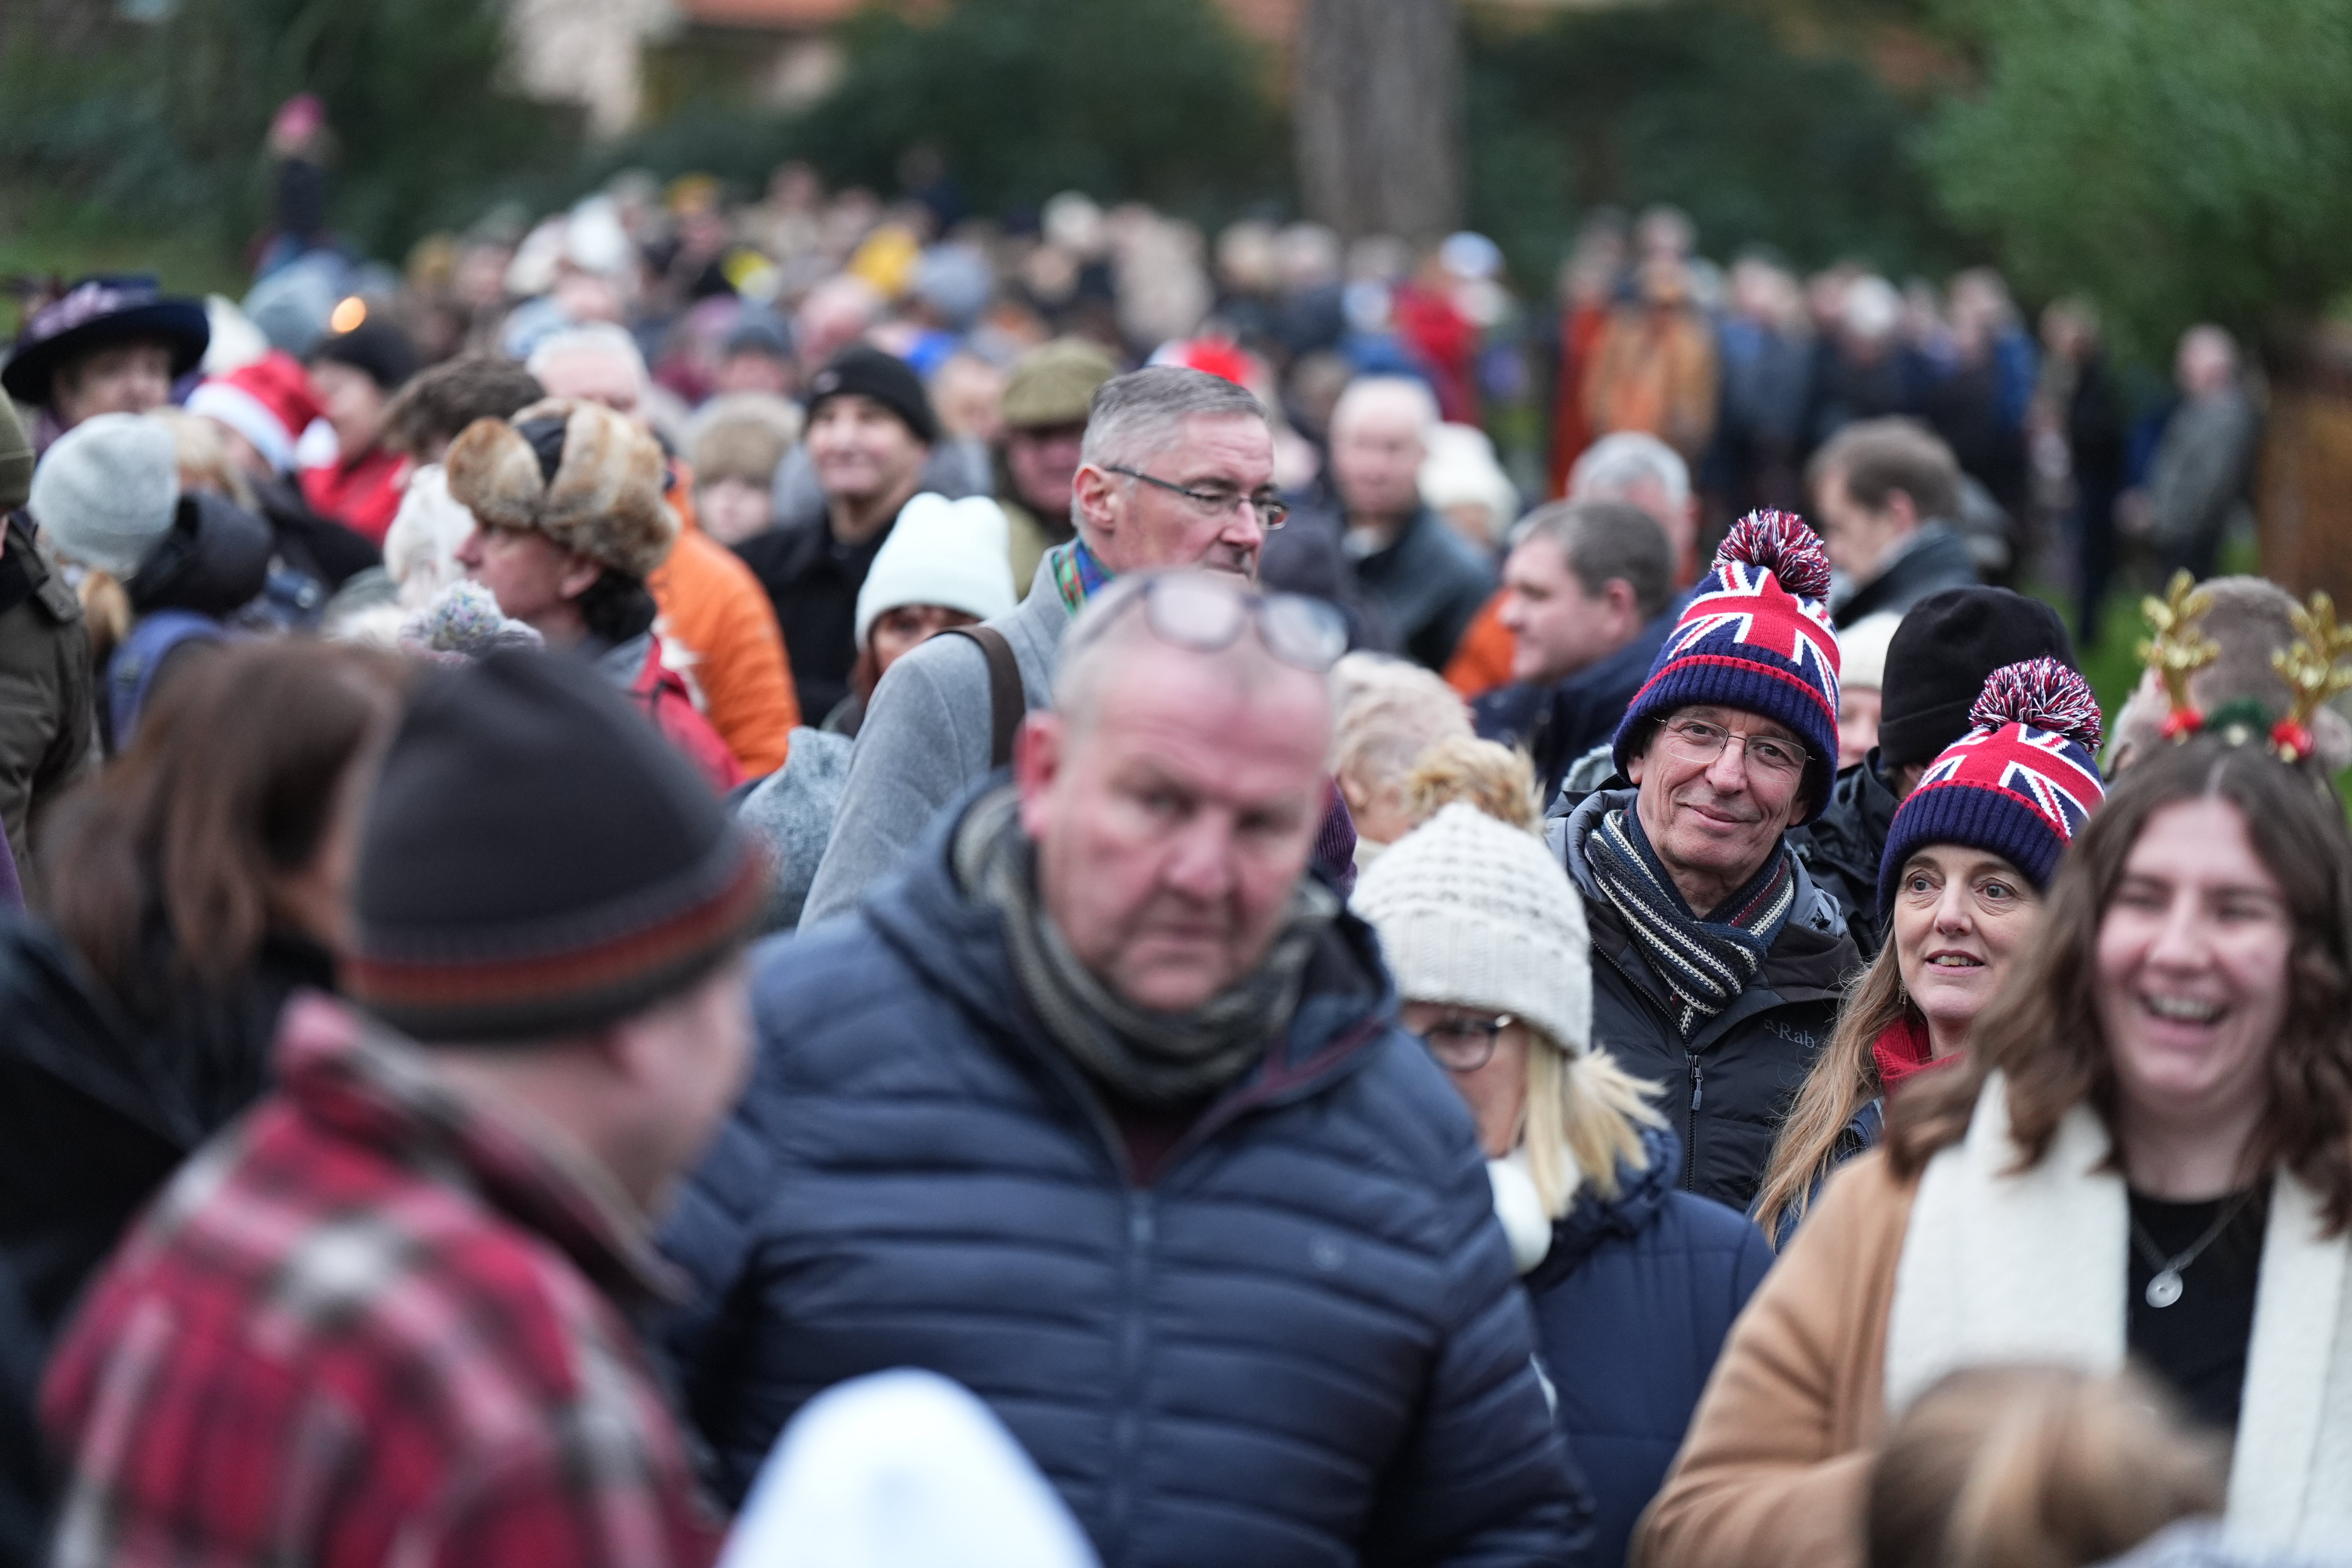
x,y
1098,1107
1423,579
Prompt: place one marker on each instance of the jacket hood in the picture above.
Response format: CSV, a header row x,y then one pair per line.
x,y
1811,956
214,560
1347,1005
1594,1219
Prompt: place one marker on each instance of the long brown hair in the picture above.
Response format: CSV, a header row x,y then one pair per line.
x,y
229,786
2042,1032
1844,1078
2035,1466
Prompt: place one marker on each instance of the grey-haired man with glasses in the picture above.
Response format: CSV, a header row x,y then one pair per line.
x,y
1717,963
1176,471
1099,1106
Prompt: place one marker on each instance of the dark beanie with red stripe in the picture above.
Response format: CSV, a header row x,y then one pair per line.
x,y
537,862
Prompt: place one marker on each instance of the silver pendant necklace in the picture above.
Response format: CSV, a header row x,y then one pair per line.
x,y
2165,1287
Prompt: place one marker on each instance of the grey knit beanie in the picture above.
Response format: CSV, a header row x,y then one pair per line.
x,y
1476,913
106,491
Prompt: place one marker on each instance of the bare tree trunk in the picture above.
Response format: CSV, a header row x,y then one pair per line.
x,y
1379,115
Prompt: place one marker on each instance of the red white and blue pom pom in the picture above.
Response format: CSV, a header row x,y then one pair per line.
x,y
1782,543
2043,693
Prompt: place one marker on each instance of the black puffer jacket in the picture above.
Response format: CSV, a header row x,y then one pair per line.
x,y
1303,1345
1842,846
1936,559
1727,1087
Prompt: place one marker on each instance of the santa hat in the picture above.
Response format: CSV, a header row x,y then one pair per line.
x,y
267,402
2019,784
1755,638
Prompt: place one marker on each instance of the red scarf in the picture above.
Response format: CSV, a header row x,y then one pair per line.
x,y
1900,1051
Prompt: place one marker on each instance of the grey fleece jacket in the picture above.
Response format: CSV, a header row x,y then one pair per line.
x,y
925,740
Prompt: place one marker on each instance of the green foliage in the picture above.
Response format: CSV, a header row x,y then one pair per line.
x,y
1158,100
2177,159
1694,102
160,125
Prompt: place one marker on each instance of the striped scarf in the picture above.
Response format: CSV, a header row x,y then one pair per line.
x,y
1706,964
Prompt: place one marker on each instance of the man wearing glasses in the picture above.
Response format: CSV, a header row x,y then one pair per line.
x,y
1099,1106
1717,962
1176,470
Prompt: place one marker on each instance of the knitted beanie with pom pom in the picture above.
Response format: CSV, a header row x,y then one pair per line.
x,y
1473,913
1757,637
2019,784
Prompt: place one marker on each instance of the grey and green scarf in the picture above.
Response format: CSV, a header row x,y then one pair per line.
x,y
1144,1058
1707,963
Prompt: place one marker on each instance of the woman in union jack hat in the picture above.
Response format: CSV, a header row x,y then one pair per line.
x,y
1968,858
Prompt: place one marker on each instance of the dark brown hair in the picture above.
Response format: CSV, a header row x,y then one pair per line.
x,y
1879,456
436,405
2034,1466
2042,1032
229,785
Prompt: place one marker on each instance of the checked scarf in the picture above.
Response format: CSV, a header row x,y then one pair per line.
x,y
1706,964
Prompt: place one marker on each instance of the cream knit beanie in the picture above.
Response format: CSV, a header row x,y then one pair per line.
x,y
1476,913
948,553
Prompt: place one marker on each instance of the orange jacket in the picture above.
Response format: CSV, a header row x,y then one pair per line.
x,y
715,611
1482,659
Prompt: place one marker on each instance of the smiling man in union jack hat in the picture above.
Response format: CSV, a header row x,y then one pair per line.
x,y
1717,963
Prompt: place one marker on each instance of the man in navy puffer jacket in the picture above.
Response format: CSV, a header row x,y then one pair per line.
x,y
1100,1108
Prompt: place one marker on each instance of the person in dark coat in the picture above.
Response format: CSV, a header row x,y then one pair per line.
x,y
1634,1283
194,888
1585,596
1721,960
173,567
46,724
1937,664
1114,1126
870,431
1422,578
1885,492
262,410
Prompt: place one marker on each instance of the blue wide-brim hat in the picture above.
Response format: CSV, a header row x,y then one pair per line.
x,y
2019,784
1756,638
96,312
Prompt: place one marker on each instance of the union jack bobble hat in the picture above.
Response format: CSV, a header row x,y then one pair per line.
x,y
1758,638
2019,784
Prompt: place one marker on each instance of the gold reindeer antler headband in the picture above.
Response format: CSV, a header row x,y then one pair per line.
x,y
2315,668
2178,648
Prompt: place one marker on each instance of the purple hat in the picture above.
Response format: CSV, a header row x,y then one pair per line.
x,y
94,314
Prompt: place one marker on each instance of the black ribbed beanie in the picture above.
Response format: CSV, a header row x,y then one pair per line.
x,y
1947,645
537,861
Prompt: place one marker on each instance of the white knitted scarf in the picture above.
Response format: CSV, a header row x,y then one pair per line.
x,y
2030,1265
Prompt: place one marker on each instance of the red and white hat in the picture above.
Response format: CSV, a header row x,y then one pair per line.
x,y
267,402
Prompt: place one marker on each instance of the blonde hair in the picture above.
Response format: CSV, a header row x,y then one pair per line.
x,y
1496,779
2035,1466
1844,1078
1384,714
1584,1113
1584,1121
201,453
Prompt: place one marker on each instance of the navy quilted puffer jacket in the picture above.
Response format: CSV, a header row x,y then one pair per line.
x,y
1633,1303
1303,1345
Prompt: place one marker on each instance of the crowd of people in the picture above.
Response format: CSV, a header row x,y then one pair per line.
x,y
819,882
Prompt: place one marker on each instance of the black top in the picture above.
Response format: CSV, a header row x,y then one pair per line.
x,y
2197,1345
813,580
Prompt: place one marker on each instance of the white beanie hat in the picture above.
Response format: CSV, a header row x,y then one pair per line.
x,y
106,492
1473,913
902,1470
1862,650
941,552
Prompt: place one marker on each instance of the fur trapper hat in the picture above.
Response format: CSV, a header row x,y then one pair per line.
x,y
586,476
